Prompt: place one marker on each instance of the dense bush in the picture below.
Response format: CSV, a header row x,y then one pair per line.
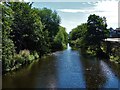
x,y
24,57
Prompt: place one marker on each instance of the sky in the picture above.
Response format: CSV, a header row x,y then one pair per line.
x,y
76,13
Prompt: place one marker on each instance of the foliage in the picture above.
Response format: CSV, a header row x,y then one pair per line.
x,y
7,43
115,58
77,35
97,31
27,28
24,57
114,52
35,54
61,39
29,33
34,29
51,21
90,35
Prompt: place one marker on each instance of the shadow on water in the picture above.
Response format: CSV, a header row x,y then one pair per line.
x,y
37,75
65,69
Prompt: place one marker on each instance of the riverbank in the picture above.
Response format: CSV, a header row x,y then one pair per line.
x,y
24,58
113,57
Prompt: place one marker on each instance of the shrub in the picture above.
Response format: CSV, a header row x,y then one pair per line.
x,y
35,54
24,53
115,58
23,57
31,58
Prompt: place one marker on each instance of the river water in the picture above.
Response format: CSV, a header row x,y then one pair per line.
x,y
65,69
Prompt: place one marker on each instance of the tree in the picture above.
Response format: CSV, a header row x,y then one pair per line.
x,y
27,28
97,31
22,25
77,35
61,39
51,21
28,32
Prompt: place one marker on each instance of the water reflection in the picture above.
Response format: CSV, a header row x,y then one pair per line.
x,y
109,75
70,72
92,71
65,69
39,75
99,74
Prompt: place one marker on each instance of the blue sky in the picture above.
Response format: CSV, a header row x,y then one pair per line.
x,y
75,13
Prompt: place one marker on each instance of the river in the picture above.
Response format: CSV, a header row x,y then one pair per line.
x,y
65,69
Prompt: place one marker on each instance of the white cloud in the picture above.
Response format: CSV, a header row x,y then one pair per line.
x,y
70,10
110,11
107,5
78,10
101,6
107,8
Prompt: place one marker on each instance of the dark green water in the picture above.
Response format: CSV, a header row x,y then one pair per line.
x,y
65,69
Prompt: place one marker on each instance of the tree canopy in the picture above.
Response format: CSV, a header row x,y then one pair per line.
x,y
29,32
90,35
97,30
61,39
77,35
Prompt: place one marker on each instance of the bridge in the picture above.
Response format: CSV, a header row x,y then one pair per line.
x,y
112,40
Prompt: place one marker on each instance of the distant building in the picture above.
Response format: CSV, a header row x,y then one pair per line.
x,y
115,33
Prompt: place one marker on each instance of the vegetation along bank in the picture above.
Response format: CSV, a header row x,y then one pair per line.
x,y
29,33
90,38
